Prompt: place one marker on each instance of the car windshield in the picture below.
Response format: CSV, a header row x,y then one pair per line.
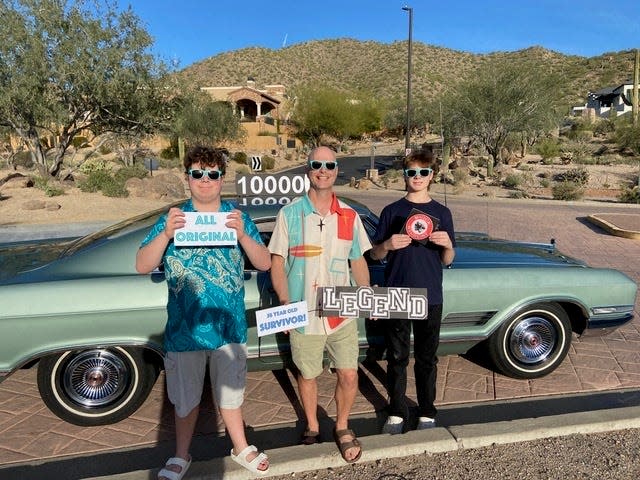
x,y
263,216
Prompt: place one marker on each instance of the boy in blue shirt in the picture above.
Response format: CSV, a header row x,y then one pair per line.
x,y
206,322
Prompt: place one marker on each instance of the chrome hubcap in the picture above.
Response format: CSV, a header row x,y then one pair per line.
x,y
533,340
95,378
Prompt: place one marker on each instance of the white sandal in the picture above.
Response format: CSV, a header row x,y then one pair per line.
x,y
252,465
170,474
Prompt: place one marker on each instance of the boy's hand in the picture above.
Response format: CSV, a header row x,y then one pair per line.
x,y
175,221
397,241
234,220
441,238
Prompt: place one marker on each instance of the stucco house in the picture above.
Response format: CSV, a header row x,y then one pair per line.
x,y
264,113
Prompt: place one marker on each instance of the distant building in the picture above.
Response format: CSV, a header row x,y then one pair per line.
x,y
264,114
604,101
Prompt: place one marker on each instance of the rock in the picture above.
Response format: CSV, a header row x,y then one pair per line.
x,y
51,206
17,181
34,205
163,186
364,184
135,187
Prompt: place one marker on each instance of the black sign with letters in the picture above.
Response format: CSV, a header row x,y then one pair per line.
x,y
373,302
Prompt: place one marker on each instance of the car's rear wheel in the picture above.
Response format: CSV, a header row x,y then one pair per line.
x,y
97,386
532,343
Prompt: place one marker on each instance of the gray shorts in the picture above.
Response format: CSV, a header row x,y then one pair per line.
x,y
185,373
307,351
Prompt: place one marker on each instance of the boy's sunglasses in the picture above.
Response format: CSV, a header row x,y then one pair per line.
x,y
317,165
421,172
197,174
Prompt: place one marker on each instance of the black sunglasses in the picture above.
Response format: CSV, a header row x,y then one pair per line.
x,y
197,174
422,172
317,165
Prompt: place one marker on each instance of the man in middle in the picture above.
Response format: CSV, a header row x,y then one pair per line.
x,y
315,240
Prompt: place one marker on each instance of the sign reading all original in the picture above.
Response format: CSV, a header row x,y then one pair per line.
x,y
205,229
285,317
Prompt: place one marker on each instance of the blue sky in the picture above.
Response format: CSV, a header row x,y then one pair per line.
x,y
190,30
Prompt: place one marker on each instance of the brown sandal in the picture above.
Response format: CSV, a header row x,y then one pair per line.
x,y
346,445
309,437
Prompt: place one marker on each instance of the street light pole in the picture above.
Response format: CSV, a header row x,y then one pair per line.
x,y
407,142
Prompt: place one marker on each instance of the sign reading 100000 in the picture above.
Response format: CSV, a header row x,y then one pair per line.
x,y
271,185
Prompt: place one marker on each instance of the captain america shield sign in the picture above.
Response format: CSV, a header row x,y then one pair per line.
x,y
419,226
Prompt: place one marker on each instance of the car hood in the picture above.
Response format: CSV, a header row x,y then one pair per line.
x,y
478,250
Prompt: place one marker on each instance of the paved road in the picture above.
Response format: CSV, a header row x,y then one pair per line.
x,y
34,443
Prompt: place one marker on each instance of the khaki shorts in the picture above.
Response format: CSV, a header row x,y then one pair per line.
x,y
341,346
185,373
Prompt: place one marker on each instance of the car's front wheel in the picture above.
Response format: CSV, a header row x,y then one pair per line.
x,y
97,386
532,343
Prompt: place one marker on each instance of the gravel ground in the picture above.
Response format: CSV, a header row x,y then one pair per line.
x,y
606,456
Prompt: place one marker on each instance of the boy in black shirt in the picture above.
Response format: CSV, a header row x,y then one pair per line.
x,y
414,259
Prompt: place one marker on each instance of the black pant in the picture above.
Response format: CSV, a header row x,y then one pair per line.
x,y
426,335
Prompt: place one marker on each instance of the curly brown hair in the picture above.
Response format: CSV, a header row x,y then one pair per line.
x,y
206,157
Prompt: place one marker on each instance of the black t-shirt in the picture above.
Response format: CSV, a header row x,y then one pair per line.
x,y
417,265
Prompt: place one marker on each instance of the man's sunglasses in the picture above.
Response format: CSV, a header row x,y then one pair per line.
x,y
317,165
197,174
421,172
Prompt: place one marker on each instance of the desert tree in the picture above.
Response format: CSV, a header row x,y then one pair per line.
x,y
501,99
199,119
322,111
72,68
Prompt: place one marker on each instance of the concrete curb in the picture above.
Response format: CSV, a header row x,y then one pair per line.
x,y
611,228
300,458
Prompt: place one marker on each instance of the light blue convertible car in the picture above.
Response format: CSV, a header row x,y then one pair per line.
x,y
93,326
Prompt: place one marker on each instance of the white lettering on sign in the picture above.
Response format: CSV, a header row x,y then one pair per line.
x,y
373,302
271,185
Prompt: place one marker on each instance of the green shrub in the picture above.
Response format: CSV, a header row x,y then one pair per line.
x,y
513,180
170,152
48,189
79,142
243,169
268,162
567,191
548,149
104,150
95,181
630,195
23,159
240,157
389,176
460,176
579,176
604,127
114,188
51,191
544,183
134,171
92,166
518,194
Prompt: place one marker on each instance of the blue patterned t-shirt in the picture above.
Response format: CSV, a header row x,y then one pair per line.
x,y
206,290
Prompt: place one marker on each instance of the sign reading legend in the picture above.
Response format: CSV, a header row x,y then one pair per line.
x,y
205,229
373,302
